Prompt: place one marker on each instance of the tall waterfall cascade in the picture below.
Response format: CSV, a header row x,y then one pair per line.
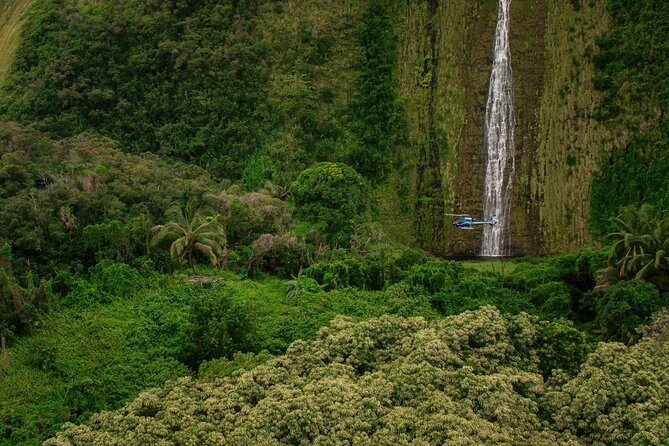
x,y
498,135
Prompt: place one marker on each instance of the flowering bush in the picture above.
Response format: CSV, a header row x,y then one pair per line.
x,y
464,380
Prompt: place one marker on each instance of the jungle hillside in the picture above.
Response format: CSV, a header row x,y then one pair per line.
x,y
230,222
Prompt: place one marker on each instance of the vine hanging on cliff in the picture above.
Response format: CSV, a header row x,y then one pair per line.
x,y
429,206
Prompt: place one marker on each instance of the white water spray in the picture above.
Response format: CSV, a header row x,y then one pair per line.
x,y
499,123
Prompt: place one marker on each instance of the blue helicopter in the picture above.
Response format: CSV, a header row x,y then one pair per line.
x,y
467,222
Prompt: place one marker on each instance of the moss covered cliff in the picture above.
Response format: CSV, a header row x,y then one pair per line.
x,y
443,74
570,139
558,142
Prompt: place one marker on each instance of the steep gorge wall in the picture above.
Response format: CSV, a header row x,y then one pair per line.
x,y
314,52
528,53
444,61
443,76
558,142
570,141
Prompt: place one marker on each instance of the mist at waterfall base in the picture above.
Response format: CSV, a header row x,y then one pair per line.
x,y
498,139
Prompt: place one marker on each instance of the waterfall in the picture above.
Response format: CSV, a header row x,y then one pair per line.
x,y
499,123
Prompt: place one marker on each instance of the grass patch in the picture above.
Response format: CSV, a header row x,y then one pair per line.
x,y
10,27
497,266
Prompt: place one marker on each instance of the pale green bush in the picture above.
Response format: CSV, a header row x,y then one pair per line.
x,y
621,395
470,379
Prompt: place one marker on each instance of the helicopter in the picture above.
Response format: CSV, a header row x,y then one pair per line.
x,y
467,222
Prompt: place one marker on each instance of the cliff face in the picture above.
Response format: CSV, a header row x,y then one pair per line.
x,y
558,143
528,55
445,50
570,142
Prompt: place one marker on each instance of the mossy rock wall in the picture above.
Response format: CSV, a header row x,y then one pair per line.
x,y
558,142
449,102
570,142
528,53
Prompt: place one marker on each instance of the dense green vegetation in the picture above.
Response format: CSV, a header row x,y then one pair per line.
x,y
103,345
150,141
379,124
175,329
192,231
69,204
467,379
640,246
83,302
155,77
52,191
204,83
633,72
152,75
334,195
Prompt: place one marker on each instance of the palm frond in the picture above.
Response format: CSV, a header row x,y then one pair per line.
x,y
189,228
218,237
179,248
208,251
209,226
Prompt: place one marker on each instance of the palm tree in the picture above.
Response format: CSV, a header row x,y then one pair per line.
x,y
189,230
640,247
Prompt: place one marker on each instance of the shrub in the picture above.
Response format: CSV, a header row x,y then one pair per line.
x,y
528,275
558,305
402,299
472,291
281,255
467,379
560,346
451,302
388,264
301,285
626,305
375,269
115,279
434,275
221,325
87,359
19,306
248,215
106,282
552,298
579,270
618,398
344,273
332,193
120,241
216,368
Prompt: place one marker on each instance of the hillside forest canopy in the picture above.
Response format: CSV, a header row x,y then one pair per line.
x,y
209,235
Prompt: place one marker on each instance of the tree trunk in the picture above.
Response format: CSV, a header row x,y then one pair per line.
x,y
3,353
